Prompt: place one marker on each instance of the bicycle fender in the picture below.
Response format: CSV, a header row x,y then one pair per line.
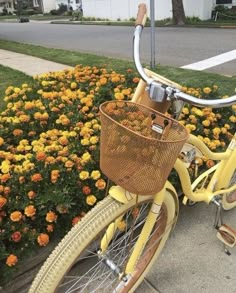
x,y
124,196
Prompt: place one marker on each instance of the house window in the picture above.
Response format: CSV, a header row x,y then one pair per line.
x,y
223,1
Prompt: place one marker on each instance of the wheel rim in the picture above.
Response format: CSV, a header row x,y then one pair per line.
x,y
103,278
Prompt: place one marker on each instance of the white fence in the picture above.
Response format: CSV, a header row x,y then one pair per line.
x,y
125,9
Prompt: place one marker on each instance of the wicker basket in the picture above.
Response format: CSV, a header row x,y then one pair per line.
x,y
138,146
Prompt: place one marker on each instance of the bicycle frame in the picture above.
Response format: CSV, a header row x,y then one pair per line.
x,y
217,184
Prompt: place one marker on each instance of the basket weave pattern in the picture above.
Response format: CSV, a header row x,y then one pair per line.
x,y
138,146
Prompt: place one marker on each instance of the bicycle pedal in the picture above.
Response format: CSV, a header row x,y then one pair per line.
x,y
227,235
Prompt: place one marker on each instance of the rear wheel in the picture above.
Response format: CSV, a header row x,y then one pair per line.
x,y
77,265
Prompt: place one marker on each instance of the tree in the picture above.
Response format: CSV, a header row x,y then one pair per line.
x,y
178,12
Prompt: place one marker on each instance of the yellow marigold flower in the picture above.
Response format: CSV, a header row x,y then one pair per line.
x,y
83,175
43,239
115,79
119,96
216,131
30,211
227,126
234,107
95,174
36,177
51,217
11,260
73,85
223,130
121,225
232,119
17,90
85,141
207,90
185,110
1,141
16,216
206,123
5,166
86,157
93,139
91,200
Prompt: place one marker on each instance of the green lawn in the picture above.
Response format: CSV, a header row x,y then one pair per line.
x,y
191,78
10,77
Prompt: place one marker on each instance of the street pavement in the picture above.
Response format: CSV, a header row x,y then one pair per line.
x,y
193,260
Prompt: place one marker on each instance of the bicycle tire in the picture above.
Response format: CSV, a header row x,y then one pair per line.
x,y
227,204
49,278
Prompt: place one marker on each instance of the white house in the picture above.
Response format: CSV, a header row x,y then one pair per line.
x,y
7,4
125,9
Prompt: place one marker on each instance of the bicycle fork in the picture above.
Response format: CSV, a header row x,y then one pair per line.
x,y
140,244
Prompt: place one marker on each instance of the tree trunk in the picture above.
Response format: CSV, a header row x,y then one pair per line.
x,y
178,12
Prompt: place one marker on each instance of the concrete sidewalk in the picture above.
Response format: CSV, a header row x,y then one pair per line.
x,y
28,64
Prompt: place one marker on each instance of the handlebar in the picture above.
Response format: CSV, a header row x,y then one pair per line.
x,y
159,90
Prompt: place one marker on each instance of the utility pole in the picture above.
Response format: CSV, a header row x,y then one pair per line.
x,y
152,17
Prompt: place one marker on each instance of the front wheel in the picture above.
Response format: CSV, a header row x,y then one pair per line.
x,y
76,264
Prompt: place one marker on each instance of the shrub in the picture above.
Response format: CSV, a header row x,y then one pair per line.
x,y
49,170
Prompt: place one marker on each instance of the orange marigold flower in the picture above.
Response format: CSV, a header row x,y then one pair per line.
x,y
3,201
17,132
55,174
30,211
76,220
5,177
43,239
31,194
100,184
40,156
86,190
16,216
11,260
135,79
7,190
36,177
210,163
50,228
21,179
16,236
51,217
63,140
103,80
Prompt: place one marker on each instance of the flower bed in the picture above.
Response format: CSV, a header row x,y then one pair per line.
x,y
49,157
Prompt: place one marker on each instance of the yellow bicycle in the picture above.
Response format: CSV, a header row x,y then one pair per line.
x,y
112,248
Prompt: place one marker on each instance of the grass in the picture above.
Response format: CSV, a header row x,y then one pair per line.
x,y
9,77
185,77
